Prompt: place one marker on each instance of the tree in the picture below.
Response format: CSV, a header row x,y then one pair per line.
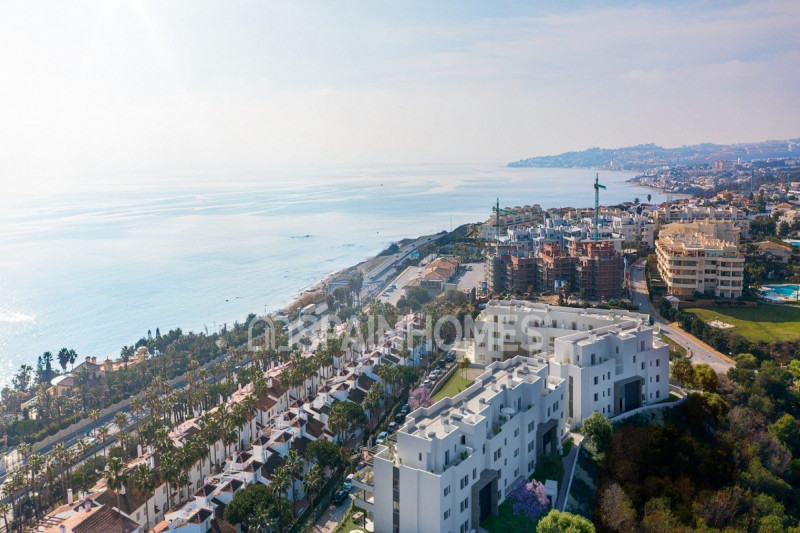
x,y
598,430
528,498
682,371
324,453
63,358
616,510
312,483
706,377
464,365
417,296
145,482
245,502
345,418
420,397
373,401
116,479
560,522
785,430
746,361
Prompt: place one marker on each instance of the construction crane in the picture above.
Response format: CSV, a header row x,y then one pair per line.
x,y
497,213
597,188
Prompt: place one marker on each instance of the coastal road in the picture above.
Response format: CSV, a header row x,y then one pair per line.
x,y
701,353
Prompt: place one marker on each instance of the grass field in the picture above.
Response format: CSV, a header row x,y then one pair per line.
x,y
453,386
763,323
675,349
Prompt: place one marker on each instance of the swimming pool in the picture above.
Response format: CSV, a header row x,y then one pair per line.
x,y
794,242
784,291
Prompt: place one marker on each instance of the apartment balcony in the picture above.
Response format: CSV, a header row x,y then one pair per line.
x,y
364,479
364,499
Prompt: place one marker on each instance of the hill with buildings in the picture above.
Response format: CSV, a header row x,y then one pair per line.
x,y
648,156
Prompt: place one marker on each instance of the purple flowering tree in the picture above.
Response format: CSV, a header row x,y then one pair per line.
x,y
528,498
420,397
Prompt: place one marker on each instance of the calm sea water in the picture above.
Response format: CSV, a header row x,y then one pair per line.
x,y
94,271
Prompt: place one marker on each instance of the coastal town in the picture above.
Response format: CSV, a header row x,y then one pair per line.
x,y
439,384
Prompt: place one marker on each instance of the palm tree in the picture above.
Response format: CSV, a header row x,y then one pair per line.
x,y
102,433
4,509
312,483
170,473
239,417
281,478
121,420
63,358
464,365
116,479
145,482
295,464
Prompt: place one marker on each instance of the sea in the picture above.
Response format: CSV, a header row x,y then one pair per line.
x,y
95,268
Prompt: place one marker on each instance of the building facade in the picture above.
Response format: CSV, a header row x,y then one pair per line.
x,y
456,461
691,259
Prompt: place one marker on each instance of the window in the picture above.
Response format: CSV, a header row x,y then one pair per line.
x,y
420,457
516,452
465,482
474,473
658,378
530,445
531,425
617,347
447,514
658,394
595,380
634,358
464,527
642,346
595,396
516,472
465,505
447,491
658,362
642,365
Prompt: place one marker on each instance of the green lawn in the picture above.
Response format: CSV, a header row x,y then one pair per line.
x,y
763,323
547,467
675,349
453,386
506,522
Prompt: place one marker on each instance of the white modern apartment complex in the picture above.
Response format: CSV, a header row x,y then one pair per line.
x,y
455,462
605,355
696,258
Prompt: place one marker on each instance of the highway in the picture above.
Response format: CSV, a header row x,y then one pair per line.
x,y
700,353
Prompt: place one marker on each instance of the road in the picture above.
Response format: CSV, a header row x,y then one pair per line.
x,y
700,352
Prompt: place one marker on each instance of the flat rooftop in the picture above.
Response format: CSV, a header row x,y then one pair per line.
x,y
466,407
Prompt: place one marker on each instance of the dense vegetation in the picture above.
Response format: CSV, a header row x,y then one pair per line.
x,y
724,461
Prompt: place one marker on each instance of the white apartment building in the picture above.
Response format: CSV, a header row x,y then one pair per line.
x,y
691,261
612,369
456,461
605,355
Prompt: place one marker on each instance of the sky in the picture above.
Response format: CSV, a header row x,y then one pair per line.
x,y
108,89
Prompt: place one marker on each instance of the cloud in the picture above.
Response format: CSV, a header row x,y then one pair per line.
x,y
113,88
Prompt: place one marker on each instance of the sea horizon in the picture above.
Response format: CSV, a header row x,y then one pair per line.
x,y
96,270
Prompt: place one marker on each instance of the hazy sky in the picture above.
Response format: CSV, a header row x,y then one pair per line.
x,y
114,87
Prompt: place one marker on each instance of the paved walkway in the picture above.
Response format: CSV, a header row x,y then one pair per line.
x,y
331,518
568,462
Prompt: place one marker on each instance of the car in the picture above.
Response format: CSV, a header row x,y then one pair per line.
x,y
360,465
449,358
400,418
392,427
382,436
348,483
405,409
427,383
340,497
